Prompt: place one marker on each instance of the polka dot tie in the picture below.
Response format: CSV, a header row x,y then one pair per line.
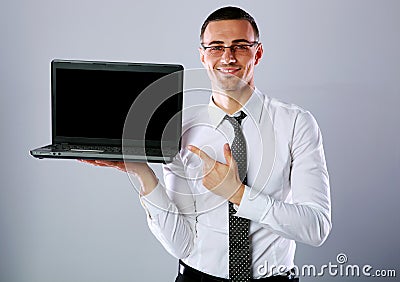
x,y
239,242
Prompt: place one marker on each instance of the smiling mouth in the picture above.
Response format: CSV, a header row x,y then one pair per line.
x,y
228,70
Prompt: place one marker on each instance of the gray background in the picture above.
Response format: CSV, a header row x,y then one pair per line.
x,y
67,221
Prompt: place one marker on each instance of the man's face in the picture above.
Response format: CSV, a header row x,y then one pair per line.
x,y
224,70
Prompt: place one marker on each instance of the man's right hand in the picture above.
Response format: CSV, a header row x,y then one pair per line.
x,y
142,171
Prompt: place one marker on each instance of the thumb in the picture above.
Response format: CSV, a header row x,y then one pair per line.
x,y
228,154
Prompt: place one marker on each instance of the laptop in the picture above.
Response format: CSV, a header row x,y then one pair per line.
x,y
114,111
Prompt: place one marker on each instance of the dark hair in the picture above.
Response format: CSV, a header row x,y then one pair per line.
x,y
230,13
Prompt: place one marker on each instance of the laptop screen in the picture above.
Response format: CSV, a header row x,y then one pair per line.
x,y
91,101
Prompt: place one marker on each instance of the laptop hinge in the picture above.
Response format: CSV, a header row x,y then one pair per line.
x,y
60,145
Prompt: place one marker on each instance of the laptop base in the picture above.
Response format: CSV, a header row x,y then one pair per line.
x,y
54,152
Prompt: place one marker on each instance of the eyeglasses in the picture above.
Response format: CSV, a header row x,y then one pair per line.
x,y
238,49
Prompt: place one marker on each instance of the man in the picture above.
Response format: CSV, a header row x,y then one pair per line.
x,y
248,164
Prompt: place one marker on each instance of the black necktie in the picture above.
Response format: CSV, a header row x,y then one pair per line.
x,y
239,242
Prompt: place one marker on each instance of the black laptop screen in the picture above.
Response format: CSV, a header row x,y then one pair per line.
x,y
95,103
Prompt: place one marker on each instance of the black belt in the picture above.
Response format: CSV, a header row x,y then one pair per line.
x,y
188,271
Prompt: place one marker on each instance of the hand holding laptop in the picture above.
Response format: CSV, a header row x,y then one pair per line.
x,y
142,171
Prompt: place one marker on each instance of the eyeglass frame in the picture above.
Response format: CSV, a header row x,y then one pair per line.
x,y
250,44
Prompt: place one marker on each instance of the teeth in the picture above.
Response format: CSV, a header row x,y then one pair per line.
x,y
227,70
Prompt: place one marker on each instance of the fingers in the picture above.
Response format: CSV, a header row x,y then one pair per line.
x,y
92,162
104,163
114,164
108,163
85,161
131,167
200,153
208,160
230,161
227,154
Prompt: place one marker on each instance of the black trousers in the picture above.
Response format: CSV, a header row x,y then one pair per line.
x,y
190,274
185,278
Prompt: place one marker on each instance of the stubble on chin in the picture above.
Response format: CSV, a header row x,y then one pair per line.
x,y
228,83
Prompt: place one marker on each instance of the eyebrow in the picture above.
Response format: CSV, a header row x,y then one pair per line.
x,y
233,41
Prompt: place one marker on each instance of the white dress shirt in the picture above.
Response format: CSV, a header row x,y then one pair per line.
x,y
286,198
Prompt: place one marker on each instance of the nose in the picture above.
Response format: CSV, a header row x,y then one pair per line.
x,y
228,56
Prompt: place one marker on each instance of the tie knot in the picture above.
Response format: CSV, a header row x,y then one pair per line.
x,y
236,119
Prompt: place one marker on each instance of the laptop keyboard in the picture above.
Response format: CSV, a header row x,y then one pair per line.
x,y
114,149
111,149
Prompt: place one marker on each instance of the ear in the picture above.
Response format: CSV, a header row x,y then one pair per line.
x,y
259,54
201,52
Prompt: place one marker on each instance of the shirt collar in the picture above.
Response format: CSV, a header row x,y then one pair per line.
x,y
252,108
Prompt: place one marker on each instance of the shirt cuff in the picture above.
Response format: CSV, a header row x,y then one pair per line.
x,y
254,206
156,202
